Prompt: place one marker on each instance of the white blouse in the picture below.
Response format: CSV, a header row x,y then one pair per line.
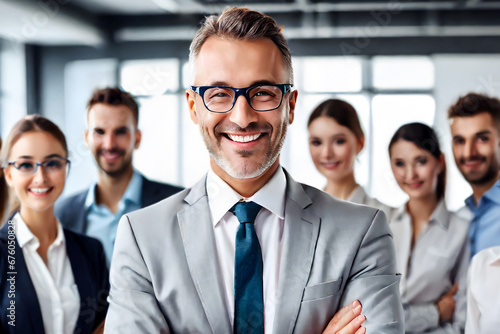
x,y
438,260
54,283
483,297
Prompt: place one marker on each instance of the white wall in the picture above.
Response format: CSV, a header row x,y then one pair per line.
x,y
12,85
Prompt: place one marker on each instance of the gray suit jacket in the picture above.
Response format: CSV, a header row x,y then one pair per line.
x,y
165,276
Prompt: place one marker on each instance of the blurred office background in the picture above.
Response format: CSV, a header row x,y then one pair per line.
x,y
395,61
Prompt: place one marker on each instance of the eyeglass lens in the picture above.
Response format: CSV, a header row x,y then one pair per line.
x,y
53,165
261,98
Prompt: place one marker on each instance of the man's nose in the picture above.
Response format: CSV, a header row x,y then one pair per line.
x,y
109,141
242,113
469,149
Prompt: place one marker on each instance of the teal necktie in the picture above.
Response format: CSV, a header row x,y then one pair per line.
x,y
248,291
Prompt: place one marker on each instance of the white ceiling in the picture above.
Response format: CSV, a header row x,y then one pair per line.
x,y
27,22
86,22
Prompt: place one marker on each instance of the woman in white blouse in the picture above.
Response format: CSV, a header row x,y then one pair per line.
x,y
430,241
335,139
53,281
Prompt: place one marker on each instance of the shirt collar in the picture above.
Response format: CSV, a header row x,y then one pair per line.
x,y
221,197
132,193
26,237
358,195
440,214
493,195
495,255
400,212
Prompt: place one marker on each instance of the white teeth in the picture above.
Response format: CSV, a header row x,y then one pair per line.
x,y
40,190
243,139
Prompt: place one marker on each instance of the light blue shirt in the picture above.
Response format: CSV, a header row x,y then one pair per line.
x,y
102,223
484,231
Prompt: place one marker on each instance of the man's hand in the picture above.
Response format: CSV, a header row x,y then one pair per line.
x,y
446,304
347,320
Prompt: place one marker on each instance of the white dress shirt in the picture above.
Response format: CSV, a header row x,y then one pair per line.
x,y
269,225
483,296
54,283
438,260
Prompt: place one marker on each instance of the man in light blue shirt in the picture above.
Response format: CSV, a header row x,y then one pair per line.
x,y
102,223
484,231
475,129
112,135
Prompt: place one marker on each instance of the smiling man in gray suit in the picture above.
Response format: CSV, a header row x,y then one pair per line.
x,y
248,249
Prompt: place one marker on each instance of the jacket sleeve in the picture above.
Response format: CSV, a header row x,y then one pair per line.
x,y
133,306
374,282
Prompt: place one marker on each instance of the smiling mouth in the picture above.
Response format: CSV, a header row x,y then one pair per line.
x,y
330,164
243,139
415,185
40,191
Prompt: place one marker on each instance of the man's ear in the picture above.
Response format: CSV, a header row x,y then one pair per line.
x,y
138,137
86,138
292,101
191,101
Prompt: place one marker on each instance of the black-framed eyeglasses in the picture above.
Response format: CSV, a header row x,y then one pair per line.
x,y
53,165
221,99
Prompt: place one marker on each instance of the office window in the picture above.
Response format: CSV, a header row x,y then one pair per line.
x,y
329,74
158,155
150,77
400,73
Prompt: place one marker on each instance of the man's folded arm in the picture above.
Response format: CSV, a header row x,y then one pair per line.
x,y
133,307
374,282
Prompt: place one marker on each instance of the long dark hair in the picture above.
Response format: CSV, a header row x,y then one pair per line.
x,y
425,138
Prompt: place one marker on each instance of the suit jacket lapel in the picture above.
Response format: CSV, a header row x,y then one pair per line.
x,y
27,306
300,236
82,281
199,245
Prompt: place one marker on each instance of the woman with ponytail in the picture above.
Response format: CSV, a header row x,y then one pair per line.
x,y
431,242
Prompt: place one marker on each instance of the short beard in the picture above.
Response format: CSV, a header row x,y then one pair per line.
x,y
490,175
245,174
223,163
114,173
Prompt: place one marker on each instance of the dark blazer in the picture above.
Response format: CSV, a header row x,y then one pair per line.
x,y
90,272
73,215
